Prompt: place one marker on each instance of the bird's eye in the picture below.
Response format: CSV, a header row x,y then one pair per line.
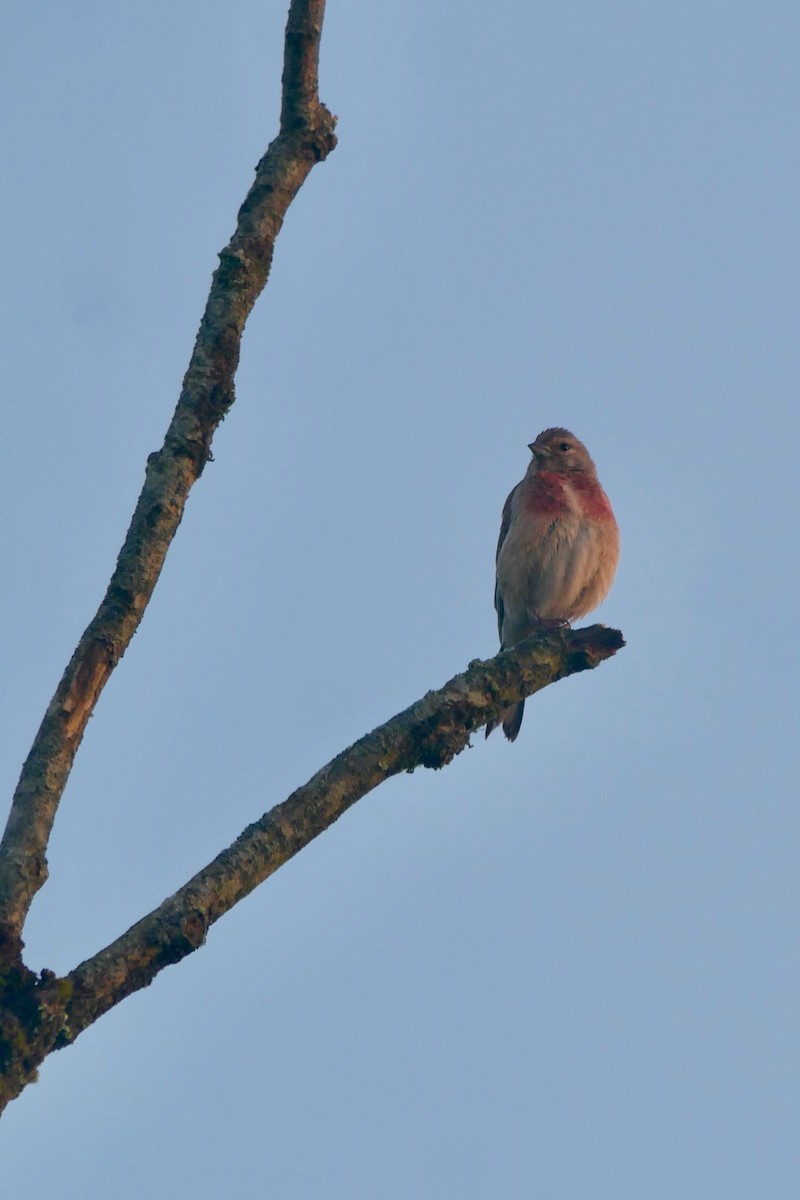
x,y
564,446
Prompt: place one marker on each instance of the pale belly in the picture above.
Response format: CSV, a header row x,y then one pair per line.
x,y
554,572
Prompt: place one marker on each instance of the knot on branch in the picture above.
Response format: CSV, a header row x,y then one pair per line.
x,y
436,741
178,932
321,139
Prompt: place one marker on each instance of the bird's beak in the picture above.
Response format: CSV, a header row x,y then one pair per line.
x,y
538,451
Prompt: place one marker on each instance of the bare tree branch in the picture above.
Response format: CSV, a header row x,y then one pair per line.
x,y
306,137
46,1013
39,1014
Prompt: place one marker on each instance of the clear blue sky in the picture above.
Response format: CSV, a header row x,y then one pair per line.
x,y
565,968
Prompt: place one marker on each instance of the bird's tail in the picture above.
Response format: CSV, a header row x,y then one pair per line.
x,y
511,719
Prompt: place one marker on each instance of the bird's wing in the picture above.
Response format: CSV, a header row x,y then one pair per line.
x,y
498,603
505,522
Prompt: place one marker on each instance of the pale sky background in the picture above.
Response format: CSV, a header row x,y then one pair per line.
x,y
565,968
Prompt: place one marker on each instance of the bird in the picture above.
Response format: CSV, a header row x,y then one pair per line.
x,y
558,548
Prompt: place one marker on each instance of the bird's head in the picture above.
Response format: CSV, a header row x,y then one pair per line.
x,y
560,451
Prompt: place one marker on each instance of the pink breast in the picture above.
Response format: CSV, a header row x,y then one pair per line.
x,y
592,499
546,496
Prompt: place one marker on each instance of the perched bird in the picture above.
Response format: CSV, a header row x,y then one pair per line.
x,y
558,548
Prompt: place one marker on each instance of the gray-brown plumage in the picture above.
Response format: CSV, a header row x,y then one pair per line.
x,y
558,547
